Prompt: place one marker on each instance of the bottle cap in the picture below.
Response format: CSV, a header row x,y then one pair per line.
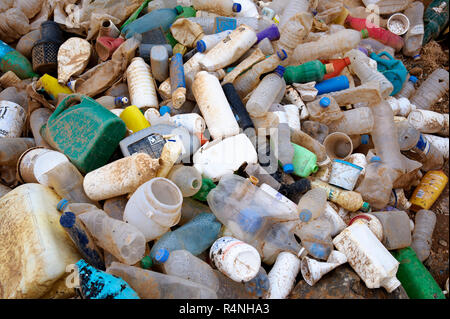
x,y
280,70
365,139
162,255
325,102
282,55
375,159
62,204
288,168
179,9
364,33
417,57
120,100
164,109
413,79
201,46
305,215
67,219
365,207
237,7
329,68
146,262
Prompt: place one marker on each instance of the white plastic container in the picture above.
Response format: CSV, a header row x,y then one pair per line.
x,y
401,106
237,260
344,174
431,90
355,121
141,84
220,157
282,275
368,257
441,143
154,207
120,177
12,119
214,106
429,122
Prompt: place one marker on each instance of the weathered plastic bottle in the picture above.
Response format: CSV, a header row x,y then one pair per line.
x,y
414,36
408,88
366,74
11,148
368,257
427,121
431,90
282,275
324,110
304,161
281,144
141,84
354,122
441,143
372,45
154,285
316,238
111,102
294,32
192,208
209,41
266,92
12,60
292,8
38,118
326,47
423,233
435,18
312,204
224,8
428,191
187,178
396,228
196,236
159,61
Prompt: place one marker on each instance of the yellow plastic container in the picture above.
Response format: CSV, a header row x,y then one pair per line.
x,y
134,119
52,87
428,191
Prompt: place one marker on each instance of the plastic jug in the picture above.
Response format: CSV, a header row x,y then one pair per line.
x,y
392,69
304,161
86,132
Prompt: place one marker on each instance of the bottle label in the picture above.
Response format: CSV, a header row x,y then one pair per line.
x,y
222,24
422,146
418,29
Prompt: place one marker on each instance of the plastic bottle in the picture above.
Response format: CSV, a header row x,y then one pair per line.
x,y
282,147
429,122
187,178
441,143
177,80
111,102
282,275
408,88
209,41
338,66
292,8
239,110
422,236
414,37
295,32
324,110
196,236
316,238
214,106
428,191
207,185
360,66
312,204
141,84
326,47
368,257
224,8
396,228
159,61
157,18
230,49
266,92
431,90
372,45
304,161
354,122
154,285
266,47
435,18
307,72
12,60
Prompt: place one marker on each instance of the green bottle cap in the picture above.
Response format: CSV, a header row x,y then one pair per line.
x,y
146,262
179,9
207,186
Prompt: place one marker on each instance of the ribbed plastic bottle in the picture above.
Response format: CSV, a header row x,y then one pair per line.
x,y
366,74
354,122
408,88
159,61
423,233
220,7
141,84
326,47
292,8
431,90
414,36
295,32
312,204
266,92
187,178
324,110
307,72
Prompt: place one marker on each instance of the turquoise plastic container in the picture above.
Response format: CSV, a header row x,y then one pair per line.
x,y
304,161
86,132
392,69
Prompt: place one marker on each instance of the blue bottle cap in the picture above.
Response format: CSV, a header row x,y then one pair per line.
x,y
280,70
164,109
282,55
67,219
305,215
375,159
62,204
325,102
365,139
288,168
416,57
161,255
201,46
237,7
413,79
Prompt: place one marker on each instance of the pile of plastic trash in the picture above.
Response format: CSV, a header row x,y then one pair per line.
x,y
217,148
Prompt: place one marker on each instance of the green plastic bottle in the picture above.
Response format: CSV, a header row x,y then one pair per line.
x,y
415,278
435,19
207,186
307,72
12,60
304,161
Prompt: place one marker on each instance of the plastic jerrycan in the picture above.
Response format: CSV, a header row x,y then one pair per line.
x,y
86,132
392,69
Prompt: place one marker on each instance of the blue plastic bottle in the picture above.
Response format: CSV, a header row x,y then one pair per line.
x,y
338,83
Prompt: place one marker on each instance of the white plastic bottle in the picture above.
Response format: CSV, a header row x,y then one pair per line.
x,y
141,84
187,178
209,41
423,233
214,106
430,122
295,32
154,207
221,7
431,90
282,275
292,8
159,61
441,143
368,257
354,122
414,36
248,9
408,88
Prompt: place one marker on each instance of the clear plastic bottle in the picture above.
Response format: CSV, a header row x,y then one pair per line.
x,y
326,47
414,36
292,8
360,66
408,88
159,62
354,122
221,7
295,32
312,204
187,178
209,41
266,92
316,238
396,228
154,285
262,175
423,233
281,145
431,90
266,47
324,110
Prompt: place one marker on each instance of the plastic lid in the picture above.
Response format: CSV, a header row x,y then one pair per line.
x,y
305,215
161,255
179,9
365,207
375,159
325,102
237,7
201,46
365,139
146,262
413,79
282,55
288,168
164,109
67,219
364,33
280,70
62,204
